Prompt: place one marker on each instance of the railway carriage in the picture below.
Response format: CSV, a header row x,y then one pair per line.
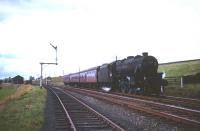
x,y
66,79
74,79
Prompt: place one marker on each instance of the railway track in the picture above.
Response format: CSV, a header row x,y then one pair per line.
x,y
186,116
61,122
171,100
72,114
194,103
177,101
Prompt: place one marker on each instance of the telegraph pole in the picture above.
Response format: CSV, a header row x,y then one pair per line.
x,y
47,63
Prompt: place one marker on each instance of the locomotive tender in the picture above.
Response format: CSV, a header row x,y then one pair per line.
x,y
134,75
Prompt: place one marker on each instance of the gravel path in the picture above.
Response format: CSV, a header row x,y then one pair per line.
x,y
128,119
49,124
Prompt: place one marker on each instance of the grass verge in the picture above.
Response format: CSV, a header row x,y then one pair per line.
x,y
181,69
6,92
23,89
189,90
24,113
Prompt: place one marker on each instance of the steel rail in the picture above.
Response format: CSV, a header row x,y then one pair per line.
x,y
102,117
66,112
147,102
126,101
183,102
115,126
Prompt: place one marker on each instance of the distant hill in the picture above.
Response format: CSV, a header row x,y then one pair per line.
x,y
176,62
180,68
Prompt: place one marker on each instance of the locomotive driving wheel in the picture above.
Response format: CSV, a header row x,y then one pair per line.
x,y
123,89
123,86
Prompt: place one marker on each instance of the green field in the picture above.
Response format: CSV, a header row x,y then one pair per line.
x,y
178,70
25,113
4,92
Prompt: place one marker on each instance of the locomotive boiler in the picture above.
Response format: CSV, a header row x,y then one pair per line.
x,y
131,75
139,74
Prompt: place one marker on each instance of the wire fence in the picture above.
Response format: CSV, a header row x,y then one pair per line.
x,y
183,80
175,81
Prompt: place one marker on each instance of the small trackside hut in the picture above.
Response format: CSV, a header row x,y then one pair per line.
x,y
18,79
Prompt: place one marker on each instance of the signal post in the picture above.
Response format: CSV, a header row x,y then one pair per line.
x,y
47,63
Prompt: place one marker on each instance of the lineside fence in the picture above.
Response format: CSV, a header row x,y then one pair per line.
x,y
182,80
175,81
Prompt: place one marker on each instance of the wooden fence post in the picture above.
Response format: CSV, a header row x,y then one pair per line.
x,y
181,82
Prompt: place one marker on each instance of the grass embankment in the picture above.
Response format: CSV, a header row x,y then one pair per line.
x,y
181,69
189,90
18,93
57,80
24,110
6,89
6,92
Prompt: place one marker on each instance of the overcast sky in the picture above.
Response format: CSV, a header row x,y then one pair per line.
x,y
92,32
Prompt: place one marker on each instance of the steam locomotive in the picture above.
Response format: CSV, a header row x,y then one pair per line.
x,y
131,75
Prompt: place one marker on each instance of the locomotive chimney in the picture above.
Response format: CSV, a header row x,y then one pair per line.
x,y
145,53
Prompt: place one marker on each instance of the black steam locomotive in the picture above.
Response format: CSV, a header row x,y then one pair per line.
x,y
131,75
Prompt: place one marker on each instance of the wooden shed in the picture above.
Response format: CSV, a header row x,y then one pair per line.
x,y
18,79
